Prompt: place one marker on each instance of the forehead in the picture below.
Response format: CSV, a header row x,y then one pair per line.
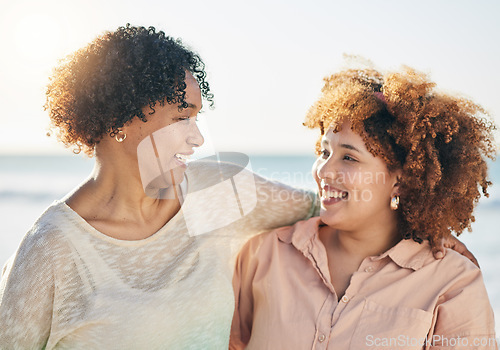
x,y
193,92
342,134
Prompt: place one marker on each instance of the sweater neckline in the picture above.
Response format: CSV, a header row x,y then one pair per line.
x,y
87,227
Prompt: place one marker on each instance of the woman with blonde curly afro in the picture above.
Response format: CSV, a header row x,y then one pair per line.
x,y
400,166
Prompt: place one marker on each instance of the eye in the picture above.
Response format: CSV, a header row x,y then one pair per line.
x,y
187,119
349,158
324,153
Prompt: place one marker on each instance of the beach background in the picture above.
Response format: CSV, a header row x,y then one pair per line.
x,y
265,60
29,184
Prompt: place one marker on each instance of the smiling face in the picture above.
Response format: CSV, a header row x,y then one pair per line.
x,y
355,186
163,144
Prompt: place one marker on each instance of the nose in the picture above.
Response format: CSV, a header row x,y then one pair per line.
x,y
195,138
315,171
325,169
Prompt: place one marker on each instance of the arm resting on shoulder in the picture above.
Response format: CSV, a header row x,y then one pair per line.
x,y
463,318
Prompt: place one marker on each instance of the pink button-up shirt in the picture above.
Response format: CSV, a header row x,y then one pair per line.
x,y
402,299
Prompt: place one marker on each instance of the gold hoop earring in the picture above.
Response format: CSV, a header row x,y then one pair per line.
x,y
395,202
120,136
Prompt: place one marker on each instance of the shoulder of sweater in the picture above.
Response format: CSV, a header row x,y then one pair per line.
x,y
47,229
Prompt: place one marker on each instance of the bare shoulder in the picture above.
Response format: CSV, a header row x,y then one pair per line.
x,y
83,200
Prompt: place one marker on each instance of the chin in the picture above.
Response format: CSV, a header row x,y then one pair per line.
x,y
176,176
155,188
333,220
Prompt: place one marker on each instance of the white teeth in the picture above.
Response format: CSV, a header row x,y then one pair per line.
x,y
181,157
334,194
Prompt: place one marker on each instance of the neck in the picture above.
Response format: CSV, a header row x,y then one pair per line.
x,y
114,189
363,242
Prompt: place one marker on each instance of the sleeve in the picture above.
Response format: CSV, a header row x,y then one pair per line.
x,y
26,297
464,318
226,196
281,205
244,272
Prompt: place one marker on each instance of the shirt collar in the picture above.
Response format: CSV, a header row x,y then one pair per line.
x,y
409,254
406,254
301,234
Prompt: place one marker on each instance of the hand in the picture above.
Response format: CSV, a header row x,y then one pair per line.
x,y
439,251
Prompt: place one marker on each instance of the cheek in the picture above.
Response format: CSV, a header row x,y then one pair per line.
x,y
376,194
315,169
364,187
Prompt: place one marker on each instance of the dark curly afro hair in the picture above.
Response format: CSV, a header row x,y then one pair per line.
x,y
99,88
439,142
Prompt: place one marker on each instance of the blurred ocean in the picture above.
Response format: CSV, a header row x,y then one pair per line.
x,y
28,184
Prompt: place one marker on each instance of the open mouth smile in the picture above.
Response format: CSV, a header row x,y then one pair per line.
x,y
183,158
331,195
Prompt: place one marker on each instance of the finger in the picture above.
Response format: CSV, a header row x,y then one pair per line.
x,y
455,244
438,253
438,249
471,257
462,249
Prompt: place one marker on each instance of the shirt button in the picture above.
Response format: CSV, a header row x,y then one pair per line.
x,y
345,299
369,269
321,338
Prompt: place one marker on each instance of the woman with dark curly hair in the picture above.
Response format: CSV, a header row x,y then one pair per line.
x,y
139,255
399,167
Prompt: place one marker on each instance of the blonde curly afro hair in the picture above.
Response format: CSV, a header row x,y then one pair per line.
x,y
439,142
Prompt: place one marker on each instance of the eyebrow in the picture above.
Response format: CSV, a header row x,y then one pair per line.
x,y
325,142
351,147
190,105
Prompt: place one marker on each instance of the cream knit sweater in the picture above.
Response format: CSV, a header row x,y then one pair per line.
x,y
69,286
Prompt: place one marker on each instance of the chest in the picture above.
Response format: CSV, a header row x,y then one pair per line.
x,y
306,307
128,229
184,301
340,270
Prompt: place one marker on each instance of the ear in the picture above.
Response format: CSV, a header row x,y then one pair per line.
x,y
126,127
395,178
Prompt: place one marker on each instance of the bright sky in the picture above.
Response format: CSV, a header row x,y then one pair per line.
x,y
265,59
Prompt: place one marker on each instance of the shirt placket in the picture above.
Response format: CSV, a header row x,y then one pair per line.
x,y
323,322
328,309
332,309
366,269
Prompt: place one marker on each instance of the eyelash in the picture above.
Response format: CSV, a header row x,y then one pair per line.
x,y
325,154
187,118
